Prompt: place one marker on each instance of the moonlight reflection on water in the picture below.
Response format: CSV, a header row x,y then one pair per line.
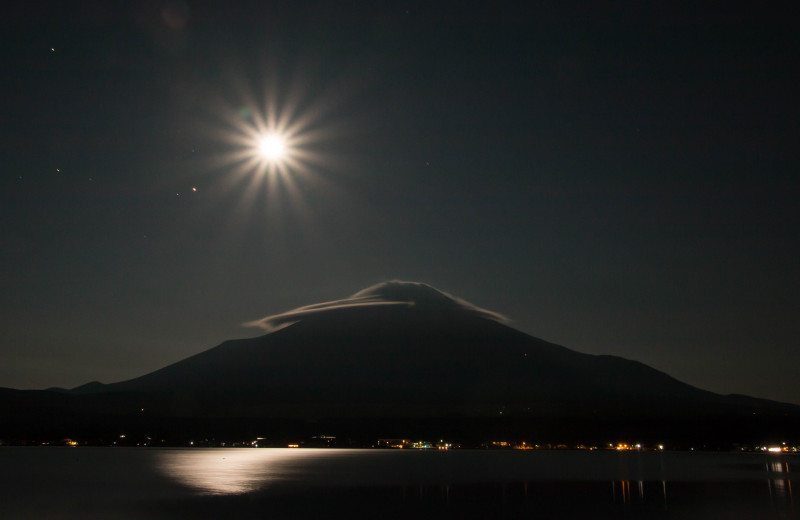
x,y
211,483
233,471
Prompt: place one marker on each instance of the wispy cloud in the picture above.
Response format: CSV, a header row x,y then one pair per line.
x,y
395,292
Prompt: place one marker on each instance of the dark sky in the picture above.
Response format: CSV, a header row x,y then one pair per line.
x,y
619,179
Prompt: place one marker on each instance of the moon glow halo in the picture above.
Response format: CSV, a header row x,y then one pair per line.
x,y
272,147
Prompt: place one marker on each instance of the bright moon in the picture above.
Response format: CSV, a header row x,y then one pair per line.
x,y
272,147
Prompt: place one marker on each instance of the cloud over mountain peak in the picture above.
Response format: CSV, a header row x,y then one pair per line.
x,y
395,292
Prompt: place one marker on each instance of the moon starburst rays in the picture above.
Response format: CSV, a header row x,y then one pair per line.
x,y
273,149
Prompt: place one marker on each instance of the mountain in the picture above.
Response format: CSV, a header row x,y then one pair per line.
x,y
403,358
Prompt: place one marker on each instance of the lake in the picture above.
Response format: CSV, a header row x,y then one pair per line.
x,y
127,483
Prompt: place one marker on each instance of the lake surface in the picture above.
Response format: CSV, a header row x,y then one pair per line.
x,y
127,483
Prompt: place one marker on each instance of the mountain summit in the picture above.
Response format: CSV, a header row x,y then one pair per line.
x,y
395,292
404,359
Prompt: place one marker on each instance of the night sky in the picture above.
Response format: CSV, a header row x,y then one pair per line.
x,y
619,179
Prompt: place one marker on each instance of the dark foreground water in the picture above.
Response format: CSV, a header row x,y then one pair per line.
x,y
109,483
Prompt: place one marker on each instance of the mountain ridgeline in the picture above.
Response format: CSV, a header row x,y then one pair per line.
x,y
396,360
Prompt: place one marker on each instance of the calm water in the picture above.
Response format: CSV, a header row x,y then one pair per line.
x,y
110,483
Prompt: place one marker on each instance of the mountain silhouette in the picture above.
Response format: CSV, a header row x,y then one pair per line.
x,y
404,357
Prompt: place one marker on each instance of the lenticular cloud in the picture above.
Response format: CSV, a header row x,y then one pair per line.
x,y
395,292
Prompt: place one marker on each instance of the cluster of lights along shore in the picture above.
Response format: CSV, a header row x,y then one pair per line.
x,y
331,442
